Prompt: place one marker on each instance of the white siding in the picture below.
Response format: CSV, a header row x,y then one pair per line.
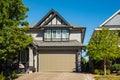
x,y
35,62
75,35
46,19
30,56
54,21
37,35
114,21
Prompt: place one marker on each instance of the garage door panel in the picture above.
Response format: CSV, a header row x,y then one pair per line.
x,y
50,61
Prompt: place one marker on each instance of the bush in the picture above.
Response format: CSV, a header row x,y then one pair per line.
x,y
14,75
118,73
10,75
108,71
115,67
2,77
101,72
96,71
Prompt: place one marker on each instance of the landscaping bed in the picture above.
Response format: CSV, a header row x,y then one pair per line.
x,y
108,77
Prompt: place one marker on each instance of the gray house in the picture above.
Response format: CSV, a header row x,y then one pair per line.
x,y
57,44
112,23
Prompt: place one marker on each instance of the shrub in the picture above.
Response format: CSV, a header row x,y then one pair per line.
x,y
14,75
115,67
10,75
108,71
101,72
2,77
118,73
96,71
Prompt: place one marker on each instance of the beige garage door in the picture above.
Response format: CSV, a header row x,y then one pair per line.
x,y
57,61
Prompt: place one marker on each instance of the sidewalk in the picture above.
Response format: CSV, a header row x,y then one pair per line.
x,y
56,76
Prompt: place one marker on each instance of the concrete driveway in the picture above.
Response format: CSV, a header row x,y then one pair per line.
x,y
56,76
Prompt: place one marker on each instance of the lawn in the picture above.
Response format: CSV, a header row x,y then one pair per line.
x,y
110,77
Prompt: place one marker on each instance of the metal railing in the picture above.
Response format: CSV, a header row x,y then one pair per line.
x,y
56,39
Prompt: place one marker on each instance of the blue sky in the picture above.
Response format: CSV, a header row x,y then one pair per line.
x,y
87,13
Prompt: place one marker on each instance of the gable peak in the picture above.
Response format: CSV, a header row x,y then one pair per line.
x,y
52,17
110,18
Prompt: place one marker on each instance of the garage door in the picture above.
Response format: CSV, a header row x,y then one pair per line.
x,y
57,61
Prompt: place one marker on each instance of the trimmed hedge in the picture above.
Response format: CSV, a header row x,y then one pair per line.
x,y
101,72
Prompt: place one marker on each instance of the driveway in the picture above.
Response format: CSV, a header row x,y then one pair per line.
x,y
56,76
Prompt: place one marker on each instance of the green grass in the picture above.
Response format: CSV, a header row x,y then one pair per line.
x,y
110,77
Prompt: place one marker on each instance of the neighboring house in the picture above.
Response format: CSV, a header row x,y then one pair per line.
x,y
57,44
113,23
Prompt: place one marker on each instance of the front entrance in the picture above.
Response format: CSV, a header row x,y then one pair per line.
x,y
57,60
24,59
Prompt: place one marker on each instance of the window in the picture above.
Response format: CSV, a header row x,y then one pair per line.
x,y
64,34
48,33
56,35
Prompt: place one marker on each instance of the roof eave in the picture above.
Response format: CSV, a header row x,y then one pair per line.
x,y
109,18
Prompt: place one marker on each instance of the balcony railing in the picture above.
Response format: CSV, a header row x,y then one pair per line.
x,y
56,39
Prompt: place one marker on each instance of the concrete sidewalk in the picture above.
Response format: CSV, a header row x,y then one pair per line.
x,y
56,76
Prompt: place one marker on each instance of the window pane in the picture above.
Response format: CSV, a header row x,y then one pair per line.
x,y
58,33
64,34
48,33
54,34
45,34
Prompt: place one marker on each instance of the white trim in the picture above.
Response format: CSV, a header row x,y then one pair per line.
x,y
109,28
110,18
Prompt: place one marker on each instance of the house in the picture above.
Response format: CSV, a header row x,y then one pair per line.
x,y
57,45
112,23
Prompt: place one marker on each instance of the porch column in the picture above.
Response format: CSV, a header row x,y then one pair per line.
x,y
30,57
35,61
78,61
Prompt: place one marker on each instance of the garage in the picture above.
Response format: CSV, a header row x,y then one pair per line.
x,y
57,60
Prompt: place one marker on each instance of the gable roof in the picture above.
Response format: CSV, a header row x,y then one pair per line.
x,y
48,17
114,20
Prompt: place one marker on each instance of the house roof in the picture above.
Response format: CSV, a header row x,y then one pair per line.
x,y
71,43
114,20
54,13
48,17
73,26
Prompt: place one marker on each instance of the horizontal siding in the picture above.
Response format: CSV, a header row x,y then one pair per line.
x,y
75,35
37,35
114,21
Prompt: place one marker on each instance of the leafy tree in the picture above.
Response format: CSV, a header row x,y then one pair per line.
x,y
12,13
13,38
84,61
103,46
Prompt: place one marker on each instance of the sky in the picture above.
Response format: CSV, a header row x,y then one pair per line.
x,y
86,13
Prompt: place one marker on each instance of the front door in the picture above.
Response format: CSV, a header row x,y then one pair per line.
x,y
24,58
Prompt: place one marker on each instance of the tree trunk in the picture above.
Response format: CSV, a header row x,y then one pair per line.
x,y
104,66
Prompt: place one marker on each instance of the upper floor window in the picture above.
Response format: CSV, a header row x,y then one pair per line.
x,y
56,35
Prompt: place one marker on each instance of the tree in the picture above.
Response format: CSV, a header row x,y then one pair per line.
x,y
13,38
103,46
12,12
